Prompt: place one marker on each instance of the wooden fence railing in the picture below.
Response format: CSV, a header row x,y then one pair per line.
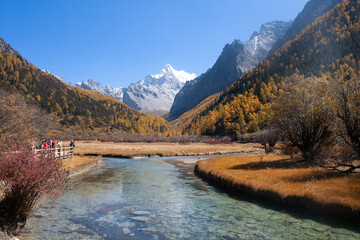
x,y
58,152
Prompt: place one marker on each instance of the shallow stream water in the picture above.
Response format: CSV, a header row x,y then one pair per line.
x,y
152,199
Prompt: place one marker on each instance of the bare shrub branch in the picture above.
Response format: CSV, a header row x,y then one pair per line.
x,y
346,103
339,158
20,122
303,116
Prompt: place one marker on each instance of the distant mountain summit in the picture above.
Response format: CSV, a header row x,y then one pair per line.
x,y
236,59
256,49
94,85
168,73
153,94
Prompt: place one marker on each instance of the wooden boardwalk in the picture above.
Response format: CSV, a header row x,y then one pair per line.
x,y
57,152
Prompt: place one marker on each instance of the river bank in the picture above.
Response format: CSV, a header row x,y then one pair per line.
x,y
276,179
75,165
80,164
133,150
152,199
88,154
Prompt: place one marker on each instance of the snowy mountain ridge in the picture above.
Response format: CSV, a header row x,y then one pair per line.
x,y
168,72
153,94
94,85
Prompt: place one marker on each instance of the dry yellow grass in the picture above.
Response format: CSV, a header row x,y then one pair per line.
x,y
80,163
160,149
277,174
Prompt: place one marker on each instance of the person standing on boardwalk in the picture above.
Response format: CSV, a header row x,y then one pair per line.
x,y
72,143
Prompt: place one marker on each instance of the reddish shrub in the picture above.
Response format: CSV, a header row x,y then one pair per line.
x,y
25,178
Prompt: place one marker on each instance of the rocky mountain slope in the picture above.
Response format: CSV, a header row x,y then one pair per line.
x,y
329,48
236,59
153,94
312,10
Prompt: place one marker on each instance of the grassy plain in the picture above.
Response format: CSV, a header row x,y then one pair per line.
x,y
160,149
284,178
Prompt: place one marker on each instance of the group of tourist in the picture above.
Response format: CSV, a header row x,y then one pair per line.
x,y
49,143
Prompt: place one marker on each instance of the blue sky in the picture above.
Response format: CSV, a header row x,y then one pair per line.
x,y
118,42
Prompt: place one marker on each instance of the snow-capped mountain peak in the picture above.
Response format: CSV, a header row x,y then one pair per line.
x,y
156,93
167,70
152,94
167,73
181,75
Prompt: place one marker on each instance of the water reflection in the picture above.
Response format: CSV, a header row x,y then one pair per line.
x,y
154,199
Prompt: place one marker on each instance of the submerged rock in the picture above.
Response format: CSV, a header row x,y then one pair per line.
x,y
141,219
126,231
127,224
141,212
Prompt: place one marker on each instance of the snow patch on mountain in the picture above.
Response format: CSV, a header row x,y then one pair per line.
x,y
94,85
260,43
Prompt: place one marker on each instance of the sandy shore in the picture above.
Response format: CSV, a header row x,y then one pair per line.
x,y
130,150
276,179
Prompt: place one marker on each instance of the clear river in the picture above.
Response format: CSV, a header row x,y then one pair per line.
x,y
151,198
